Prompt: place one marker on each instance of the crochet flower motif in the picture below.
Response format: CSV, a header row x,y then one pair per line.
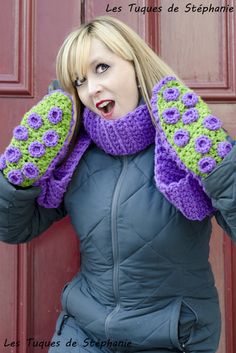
x,y
50,138
36,149
15,177
171,115
203,144
181,137
20,133
171,94
212,123
30,170
223,148
55,115
2,162
190,116
13,154
190,99
34,121
206,164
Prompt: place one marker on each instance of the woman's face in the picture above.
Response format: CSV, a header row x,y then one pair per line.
x,y
109,88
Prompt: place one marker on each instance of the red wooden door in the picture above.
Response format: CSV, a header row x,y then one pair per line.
x,y
32,275
202,51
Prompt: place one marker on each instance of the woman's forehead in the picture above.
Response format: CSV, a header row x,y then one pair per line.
x,y
91,53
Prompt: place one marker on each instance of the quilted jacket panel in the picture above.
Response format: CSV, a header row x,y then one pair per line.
x,y
142,262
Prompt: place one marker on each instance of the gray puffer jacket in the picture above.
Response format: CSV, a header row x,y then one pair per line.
x,y
145,276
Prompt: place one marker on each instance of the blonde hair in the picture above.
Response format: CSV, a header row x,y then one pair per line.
x,y
121,40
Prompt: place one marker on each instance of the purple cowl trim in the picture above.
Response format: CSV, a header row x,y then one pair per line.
x,y
49,198
178,184
127,135
53,186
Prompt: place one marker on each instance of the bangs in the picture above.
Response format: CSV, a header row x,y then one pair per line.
x,y
72,59
80,55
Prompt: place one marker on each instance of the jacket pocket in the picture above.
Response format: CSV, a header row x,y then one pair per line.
x,y
186,323
66,290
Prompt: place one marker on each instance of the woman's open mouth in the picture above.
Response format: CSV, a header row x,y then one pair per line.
x,y
106,108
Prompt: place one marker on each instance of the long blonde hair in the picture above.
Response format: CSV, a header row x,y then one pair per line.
x,y
121,40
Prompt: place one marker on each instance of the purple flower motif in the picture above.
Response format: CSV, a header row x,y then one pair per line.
x,y
171,115
190,99
15,177
171,94
206,164
190,116
36,149
13,154
20,133
55,115
212,123
203,144
224,148
181,137
50,138
34,121
30,170
2,162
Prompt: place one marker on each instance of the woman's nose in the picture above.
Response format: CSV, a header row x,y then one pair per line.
x,y
94,87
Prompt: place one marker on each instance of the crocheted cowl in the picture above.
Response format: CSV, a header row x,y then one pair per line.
x,y
130,134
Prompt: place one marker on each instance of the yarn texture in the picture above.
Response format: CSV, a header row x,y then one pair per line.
x,y
127,135
189,144
40,141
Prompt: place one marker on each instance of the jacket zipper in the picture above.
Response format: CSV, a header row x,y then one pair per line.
x,y
115,249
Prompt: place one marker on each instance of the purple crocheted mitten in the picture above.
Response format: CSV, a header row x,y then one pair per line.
x,y
40,141
190,143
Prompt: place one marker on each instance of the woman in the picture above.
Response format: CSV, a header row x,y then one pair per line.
x,y
140,205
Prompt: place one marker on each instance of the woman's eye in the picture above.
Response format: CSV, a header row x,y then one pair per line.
x,y
100,68
78,82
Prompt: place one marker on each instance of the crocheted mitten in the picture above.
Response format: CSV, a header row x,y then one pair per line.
x,y
40,141
190,143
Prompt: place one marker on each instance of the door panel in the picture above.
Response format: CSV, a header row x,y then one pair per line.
x,y
32,275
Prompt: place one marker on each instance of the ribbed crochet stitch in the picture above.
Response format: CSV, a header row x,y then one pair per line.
x,y
127,135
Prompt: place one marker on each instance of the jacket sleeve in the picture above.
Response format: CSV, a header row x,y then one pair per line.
x,y
220,186
21,218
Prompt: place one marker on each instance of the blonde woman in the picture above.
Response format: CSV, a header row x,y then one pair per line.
x,y
140,166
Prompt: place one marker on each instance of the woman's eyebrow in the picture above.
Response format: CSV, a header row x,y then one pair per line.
x,y
96,60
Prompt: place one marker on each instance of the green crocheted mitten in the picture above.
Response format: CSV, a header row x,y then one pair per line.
x,y
40,141
188,130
